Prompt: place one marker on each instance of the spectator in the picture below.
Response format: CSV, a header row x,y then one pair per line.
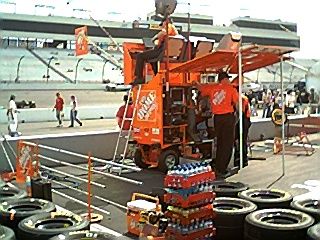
x,y
12,114
59,109
254,106
266,100
290,102
74,112
270,104
276,98
250,95
120,113
303,101
314,101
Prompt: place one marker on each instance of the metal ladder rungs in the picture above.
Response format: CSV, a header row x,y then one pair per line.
x,y
125,136
129,131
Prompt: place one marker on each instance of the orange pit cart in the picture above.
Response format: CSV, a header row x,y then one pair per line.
x,y
168,107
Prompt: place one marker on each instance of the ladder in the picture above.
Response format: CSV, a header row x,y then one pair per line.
x,y
126,133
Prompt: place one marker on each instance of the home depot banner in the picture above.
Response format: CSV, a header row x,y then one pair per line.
x,y
81,34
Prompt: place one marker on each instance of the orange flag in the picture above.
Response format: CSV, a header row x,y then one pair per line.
x,y
81,34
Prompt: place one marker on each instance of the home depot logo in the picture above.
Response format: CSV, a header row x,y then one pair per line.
x,y
218,97
147,106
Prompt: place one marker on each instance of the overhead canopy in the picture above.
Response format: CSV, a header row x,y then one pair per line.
x,y
253,57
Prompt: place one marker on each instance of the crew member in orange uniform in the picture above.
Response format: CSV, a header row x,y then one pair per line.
x,y
120,113
154,52
246,123
224,99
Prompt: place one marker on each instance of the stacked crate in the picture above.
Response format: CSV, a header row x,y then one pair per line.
x,y
189,197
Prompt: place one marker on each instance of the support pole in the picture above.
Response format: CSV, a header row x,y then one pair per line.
x,y
282,128
18,69
167,50
282,118
37,160
89,186
240,108
76,73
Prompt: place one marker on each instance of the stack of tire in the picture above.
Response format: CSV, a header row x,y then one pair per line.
x,y
274,219
9,194
262,214
311,207
29,218
230,210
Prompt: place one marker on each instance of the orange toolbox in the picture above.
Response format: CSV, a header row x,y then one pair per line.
x,y
139,204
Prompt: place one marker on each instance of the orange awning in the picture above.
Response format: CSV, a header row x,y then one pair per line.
x,y
253,57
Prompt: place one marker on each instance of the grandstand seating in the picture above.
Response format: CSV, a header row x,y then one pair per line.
x,y
33,65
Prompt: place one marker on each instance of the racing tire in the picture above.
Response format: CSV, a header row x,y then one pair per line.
x,y
309,206
12,212
88,235
167,160
267,198
47,225
284,224
11,193
6,233
228,189
138,159
230,217
314,232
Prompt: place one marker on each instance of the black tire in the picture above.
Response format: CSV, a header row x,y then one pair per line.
x,y
309,206
314,232
168,159
46,225
88,235
230,217
22,208
228,189
138,159
6,233
11,193
267,198
282,224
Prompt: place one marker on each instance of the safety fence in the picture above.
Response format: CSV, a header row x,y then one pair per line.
x,y
31,164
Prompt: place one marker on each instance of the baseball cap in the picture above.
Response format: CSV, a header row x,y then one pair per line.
x,y
222,76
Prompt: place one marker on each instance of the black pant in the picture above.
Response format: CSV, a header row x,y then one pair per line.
x,y
246,125
224,128
73,117
145,56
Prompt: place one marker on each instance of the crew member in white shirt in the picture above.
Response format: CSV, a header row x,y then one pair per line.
x,y
74,112
12,114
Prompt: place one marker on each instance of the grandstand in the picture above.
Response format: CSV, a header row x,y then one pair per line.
x,y
41,49
52,64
